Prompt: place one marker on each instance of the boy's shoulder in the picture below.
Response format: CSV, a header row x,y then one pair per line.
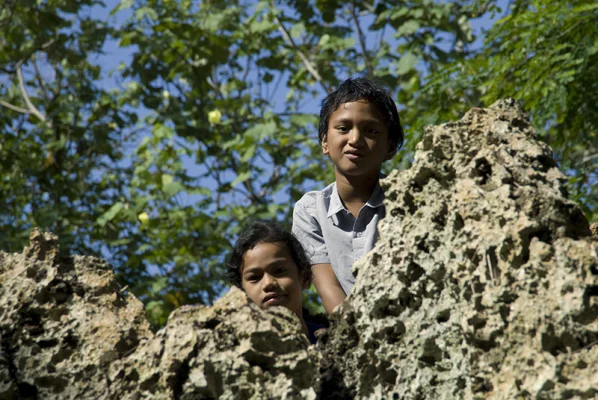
x,y
310,199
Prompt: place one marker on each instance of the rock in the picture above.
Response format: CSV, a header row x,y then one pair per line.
x,y
229,351
68,331
63,322
484,283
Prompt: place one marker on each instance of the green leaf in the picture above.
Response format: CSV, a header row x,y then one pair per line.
x,y
173,188
268,77
214,21
262,26
408,28
159,284
406,63
261,131
124,4
167,179
146,12
242,177
249,153
296,30
231,143
160,131
110,214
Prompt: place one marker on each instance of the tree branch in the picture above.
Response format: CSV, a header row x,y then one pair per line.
x,y
33,110
360,36
308,65
14,108
40,81
589,158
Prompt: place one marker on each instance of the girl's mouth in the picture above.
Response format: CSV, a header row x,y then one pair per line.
x,y
273,299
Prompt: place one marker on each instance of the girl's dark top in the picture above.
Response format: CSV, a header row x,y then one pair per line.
x,y
312,328
314,322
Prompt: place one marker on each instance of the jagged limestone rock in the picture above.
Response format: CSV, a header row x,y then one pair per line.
x,y
63,321
484,284
68,331
232,350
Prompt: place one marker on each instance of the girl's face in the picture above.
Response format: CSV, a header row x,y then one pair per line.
x,y
270,277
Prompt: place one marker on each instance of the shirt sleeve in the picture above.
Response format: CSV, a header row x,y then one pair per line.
x,y
307,230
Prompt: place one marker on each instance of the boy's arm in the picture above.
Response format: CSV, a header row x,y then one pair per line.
x,y
307,230
330,290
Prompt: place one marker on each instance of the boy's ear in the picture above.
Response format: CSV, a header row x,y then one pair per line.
x,y
392,150
391,153
324,143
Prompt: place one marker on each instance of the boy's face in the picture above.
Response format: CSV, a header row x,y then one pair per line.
x,y
270,277
357,139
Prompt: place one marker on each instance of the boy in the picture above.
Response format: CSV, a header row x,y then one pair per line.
x,y
359,129
270,265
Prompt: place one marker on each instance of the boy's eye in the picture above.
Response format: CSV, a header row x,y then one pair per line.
x,y
342,128
280,270
252,278
372,131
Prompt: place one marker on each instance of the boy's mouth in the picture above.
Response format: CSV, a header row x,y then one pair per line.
x,y
273,299
353,155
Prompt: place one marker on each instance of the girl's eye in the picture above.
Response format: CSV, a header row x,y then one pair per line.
x,y
253,278
372,131
342,129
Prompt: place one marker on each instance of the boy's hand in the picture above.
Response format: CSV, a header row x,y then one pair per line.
x,y
330,290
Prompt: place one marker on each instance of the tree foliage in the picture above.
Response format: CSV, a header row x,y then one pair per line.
x,y
214,121
60,142
544,54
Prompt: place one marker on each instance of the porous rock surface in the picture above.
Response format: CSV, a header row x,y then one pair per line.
x,y
484,284
68,331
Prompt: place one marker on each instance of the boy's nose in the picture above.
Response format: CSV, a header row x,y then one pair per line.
x,y
355,137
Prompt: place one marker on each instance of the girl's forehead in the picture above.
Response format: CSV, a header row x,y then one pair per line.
x,y
265,254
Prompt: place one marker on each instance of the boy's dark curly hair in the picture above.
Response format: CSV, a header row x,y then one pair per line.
x,y
266,232
363,89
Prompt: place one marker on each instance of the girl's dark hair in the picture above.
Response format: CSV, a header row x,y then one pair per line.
x,y
266,232
363,89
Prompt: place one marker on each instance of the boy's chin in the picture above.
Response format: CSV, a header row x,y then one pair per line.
x,y
357,171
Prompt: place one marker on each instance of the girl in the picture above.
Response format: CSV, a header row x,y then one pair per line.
x,y
270,265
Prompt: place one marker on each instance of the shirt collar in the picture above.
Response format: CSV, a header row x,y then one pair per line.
x,y
336,204
377,197
376,200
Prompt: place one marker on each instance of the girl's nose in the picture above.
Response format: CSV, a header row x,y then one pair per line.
x,y
269,282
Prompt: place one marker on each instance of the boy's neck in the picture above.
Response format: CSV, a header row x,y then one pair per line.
x,y
355,191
